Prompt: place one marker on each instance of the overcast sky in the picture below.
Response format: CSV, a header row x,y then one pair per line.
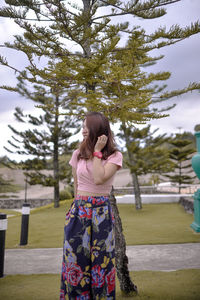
x,y
182,60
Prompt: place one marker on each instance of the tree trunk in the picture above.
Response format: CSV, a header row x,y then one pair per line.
x,y
138,200
121,259
55,158
87,43
180,174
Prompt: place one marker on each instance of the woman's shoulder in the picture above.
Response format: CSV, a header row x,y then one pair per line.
x,y
117,153
115,158
75,154
76,151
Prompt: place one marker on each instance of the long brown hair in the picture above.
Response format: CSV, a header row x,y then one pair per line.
x,y
97,125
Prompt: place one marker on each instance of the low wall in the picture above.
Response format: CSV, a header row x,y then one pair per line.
x,y
188,204
143,189
185,189
17,203
184,200
157,198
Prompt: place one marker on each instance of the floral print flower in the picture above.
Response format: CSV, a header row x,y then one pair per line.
x,y
74,274
110,279
86,238
85,212
98,276
84,296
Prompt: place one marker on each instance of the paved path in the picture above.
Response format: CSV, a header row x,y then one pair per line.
x,y
145,257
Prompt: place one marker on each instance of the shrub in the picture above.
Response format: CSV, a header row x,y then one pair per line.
x,y
65,194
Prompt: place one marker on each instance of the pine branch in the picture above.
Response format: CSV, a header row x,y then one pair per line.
x,y
191,87
146,10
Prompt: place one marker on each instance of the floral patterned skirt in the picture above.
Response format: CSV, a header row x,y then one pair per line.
x,y
88,267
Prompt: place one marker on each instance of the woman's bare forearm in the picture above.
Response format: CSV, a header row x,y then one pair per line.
x,y
102,173
75,181
75,188
98,171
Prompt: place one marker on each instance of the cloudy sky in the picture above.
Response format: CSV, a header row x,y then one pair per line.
x,y
182,60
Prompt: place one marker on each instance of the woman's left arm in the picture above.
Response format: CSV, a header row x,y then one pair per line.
x,y
102,173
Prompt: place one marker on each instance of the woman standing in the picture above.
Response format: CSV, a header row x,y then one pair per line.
x,y
88,270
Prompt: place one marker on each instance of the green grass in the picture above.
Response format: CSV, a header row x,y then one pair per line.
x,y
177,285
45,227
164,223
154,224
10,212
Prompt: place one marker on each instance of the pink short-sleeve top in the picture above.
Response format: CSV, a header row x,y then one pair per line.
x,y
83,167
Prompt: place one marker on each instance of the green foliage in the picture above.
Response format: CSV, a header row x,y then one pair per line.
x,y
65,194
48,138
197,127
100,75
180,154
146,153
6,186
5,161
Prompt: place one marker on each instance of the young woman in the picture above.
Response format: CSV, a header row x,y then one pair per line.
x,y
88,270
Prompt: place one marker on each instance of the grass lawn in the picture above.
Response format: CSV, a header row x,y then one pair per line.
x,y
154,224
177,285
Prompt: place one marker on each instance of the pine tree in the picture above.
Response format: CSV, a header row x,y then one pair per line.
x,y
180,155
7,185
90,71
145,155
197,127
48,139
100,76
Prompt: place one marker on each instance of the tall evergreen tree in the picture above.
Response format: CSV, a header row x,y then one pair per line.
x,y
101,75
197,127
180,154
91,70
48,139
145,155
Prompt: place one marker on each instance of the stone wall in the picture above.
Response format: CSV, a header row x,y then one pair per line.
x,y
143,190
188,204
17,203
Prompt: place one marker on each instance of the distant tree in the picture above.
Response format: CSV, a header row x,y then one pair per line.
x,y
146,155
3,184
7,185
5,161
197,127
180,155
187,135
47,139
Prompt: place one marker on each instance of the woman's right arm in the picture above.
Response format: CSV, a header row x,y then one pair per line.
x,y
75,181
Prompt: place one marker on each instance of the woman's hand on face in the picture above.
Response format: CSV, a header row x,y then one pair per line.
x,y
101,142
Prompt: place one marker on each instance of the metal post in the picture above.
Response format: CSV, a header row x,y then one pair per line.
x,y
26,185
196,167
24,224
3,228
